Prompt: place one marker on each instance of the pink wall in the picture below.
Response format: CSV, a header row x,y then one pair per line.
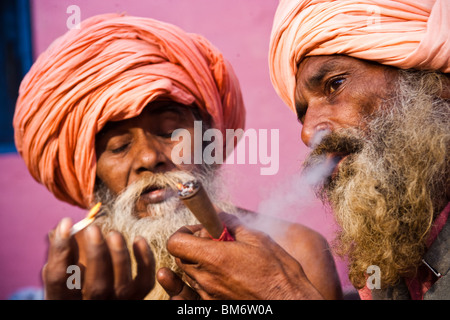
x,y
241,30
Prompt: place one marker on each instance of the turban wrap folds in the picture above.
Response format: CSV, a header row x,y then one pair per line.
x,y
109,70
401,33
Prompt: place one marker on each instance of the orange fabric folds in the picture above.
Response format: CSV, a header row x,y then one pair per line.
x,y
401,33
109,70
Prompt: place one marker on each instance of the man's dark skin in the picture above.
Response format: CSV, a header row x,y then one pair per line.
x,y
106,267
332,92
127,151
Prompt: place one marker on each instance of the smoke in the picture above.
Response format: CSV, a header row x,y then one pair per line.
x,y
318,137
294,198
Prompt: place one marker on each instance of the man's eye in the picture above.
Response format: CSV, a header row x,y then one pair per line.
x,y
334,84
119,149
166,135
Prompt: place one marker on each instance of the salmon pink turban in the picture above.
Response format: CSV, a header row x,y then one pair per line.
x,y
109,70
401,33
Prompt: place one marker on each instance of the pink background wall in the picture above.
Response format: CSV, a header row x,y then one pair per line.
x,y
241,30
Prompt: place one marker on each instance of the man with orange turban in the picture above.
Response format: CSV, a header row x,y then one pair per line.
x,y
95,121
368,80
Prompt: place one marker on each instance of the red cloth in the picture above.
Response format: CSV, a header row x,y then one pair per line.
x,y
425,278
225,236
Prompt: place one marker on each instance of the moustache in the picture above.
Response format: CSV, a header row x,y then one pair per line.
x,y
339,142
328,152
154,181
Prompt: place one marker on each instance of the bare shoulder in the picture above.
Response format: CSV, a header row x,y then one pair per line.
x,y
295,238
306,245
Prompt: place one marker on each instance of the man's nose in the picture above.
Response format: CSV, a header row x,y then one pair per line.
x,y
148,155
316,124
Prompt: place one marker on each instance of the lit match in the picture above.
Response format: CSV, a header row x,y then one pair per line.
x,y
195,198
90,217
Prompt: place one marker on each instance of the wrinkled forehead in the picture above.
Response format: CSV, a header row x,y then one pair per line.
x,y
315,67
154,109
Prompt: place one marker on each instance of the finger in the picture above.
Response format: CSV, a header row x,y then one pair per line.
x,y
51,234
171,283
176,288
191,229
197,230
203,233
192,282
99,276
61,244
208,285
121,264
144,281
61,254
195,287
192,272
182,239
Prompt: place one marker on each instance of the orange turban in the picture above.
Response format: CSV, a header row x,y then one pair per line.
x,y
401,33
109,70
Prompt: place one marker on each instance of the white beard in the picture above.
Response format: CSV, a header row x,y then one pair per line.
x,y
164,218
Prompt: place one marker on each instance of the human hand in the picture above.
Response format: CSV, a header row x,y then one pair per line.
x,y
252,267
175,287
106,273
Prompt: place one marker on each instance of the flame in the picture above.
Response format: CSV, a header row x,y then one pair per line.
x,y
180,186
90,217
94,211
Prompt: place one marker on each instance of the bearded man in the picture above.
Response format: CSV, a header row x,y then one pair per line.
x,y
95,121
368,81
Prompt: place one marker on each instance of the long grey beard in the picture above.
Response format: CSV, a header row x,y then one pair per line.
x,y
387,193
164,218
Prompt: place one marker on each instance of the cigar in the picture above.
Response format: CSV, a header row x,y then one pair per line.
x,y
196,199
90,217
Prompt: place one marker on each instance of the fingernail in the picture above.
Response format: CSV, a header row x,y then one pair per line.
x,y
141,239
115,240
64,228
94,235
